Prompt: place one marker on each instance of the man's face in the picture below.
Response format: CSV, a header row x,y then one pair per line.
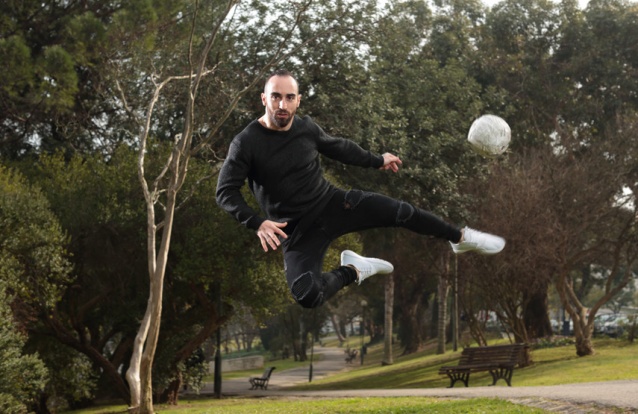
x,y
281,99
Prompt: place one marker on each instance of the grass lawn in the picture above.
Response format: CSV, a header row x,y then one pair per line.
x,y
400,405
614,360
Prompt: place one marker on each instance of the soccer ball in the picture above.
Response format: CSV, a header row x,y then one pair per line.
x,y
489,135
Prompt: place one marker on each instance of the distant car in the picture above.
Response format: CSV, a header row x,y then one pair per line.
x,y
615,327
600,320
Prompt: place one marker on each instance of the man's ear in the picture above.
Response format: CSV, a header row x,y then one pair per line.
x,y
263,99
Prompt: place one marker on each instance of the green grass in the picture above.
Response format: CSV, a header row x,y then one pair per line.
x,y
401,405
614,360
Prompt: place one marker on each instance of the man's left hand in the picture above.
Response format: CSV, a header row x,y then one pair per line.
x,y
391,162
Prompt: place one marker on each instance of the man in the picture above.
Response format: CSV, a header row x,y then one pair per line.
x,y
279,156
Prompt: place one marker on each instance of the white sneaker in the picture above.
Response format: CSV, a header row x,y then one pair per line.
x,y
366,266
483,243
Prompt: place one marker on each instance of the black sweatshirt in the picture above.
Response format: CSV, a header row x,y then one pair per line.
x,y
284,171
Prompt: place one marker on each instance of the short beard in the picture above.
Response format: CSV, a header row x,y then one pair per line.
x,y
281,123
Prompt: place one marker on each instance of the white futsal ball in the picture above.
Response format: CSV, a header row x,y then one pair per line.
x,y
489,135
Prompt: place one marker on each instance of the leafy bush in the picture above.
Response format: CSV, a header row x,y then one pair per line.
x,y
23,376
552,342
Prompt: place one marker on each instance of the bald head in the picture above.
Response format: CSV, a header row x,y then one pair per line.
x,y
279,73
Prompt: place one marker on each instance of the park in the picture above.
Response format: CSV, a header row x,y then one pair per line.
x,y
124,284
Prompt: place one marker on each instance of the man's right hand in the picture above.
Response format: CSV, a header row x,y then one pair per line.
x,y
268,234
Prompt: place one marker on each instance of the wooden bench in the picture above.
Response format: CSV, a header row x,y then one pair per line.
x,y
261,382
499,360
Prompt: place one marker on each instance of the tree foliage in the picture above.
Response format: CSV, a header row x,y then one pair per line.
x,y
54,86
23,375
547,60
34,271
35,265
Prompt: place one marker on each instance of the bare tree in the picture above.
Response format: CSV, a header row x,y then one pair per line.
x,y
516,208
598,224
560,210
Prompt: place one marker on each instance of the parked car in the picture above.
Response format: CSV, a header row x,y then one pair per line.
x,y
615,326
601,320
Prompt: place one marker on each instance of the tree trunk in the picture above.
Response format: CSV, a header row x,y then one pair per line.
x,y
389,306
536,314
171,393
412,324
584,346
133,372
84,346
155,301
140,372
443,290
336,326
582,330
209,326
304,333
146,366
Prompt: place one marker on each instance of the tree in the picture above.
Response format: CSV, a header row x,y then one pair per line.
x,y
24,376
97,201
517,207
565,72
33,274
35,267
405,95
416,289
211,262
73,382
139,374
54,81
422,63
539,197
598,226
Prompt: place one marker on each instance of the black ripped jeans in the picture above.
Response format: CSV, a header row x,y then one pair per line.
x,y
347,212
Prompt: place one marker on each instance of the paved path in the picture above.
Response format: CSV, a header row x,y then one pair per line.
x,y
594,397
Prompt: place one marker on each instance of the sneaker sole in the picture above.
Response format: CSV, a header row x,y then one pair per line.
x,y
387,267
477,250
